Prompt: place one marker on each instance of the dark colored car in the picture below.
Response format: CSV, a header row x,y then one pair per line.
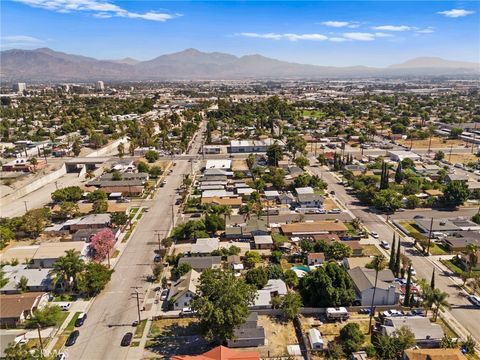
x,y
72,338
80,320
127,339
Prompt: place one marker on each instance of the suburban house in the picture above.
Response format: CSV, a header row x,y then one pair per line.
x,y
14,309
364,280
182,292
433,354
276,287
221,353
438,225
263,242
314,228
11,336
38,279
249,334
126,187
200,263
263,300
426,334
310,200
315,259
92,221
204,246
253,227
48,253
357,248
459,240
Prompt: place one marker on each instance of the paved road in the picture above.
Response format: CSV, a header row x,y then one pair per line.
x,y
114,310
462,310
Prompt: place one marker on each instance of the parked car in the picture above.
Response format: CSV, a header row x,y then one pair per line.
x,y
474,299
157,258
127,339
413,272
384,244
418,312
164,294
419,217
374,234
66,306
186,311
61,356
335,211
80,319
135,323
72,338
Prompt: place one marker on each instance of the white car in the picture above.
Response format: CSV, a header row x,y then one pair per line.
x,y
413,272
384,244
65,306
374,235
61,356
474,299
335,211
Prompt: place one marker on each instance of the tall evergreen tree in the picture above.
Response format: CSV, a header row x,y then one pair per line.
x,y
397,261
399,173
408,289
391,264
432,281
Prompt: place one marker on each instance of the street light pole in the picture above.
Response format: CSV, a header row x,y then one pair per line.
x,y
26,208
138,304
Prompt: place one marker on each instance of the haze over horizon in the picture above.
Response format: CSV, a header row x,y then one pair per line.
x,y
375,34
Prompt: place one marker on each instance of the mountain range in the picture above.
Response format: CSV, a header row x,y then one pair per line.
x,y
45,64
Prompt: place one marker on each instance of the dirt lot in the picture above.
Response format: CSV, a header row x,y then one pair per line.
x,y
437,142
331,330
279,334
461,158
169,337
239,165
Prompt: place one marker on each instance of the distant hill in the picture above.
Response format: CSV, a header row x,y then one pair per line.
x,y
48,65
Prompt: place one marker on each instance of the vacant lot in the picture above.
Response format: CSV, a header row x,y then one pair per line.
x,y
239,165
437,142
460,158
279,334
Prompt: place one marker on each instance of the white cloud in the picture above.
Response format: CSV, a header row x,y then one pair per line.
x,y
339,24
21,41
98,8
392,28
380,34
456,13
359,36
337,39
287,36
427,30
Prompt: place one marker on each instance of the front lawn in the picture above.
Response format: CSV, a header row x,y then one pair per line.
x,y
140,328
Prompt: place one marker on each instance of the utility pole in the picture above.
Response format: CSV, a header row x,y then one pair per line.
x,y
138,304
56,185
159,243
474,136
25,203
41,341
108,258
430,236
450,154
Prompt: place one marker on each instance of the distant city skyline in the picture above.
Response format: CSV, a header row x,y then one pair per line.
x,y
342,33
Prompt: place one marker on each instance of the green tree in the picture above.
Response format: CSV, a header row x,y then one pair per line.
x,y
387,200
257,276
97,195
456,132
412,202
100,206
3,280
22,284
291,279
274,271
181,270
378,264
472,254
338,251
68,209
71,193
151,156
302,162
222,303
391,263
76,147
448,342
155,172
329,285
439,155
252,258
22,352
352,338
143,167
121,150
476,218
399,174
455,194
296,144
290,305
274,154
34,221
119,218
6,235
67,269
94,278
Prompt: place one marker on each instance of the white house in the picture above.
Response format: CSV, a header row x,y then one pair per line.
x,y
387,292
182,292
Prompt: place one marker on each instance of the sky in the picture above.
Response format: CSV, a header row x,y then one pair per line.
x,y
335,33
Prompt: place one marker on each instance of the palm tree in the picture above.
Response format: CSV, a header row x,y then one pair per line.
x,y
472,253
440,300
22,284
67,269
247,210
226,211
378,264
